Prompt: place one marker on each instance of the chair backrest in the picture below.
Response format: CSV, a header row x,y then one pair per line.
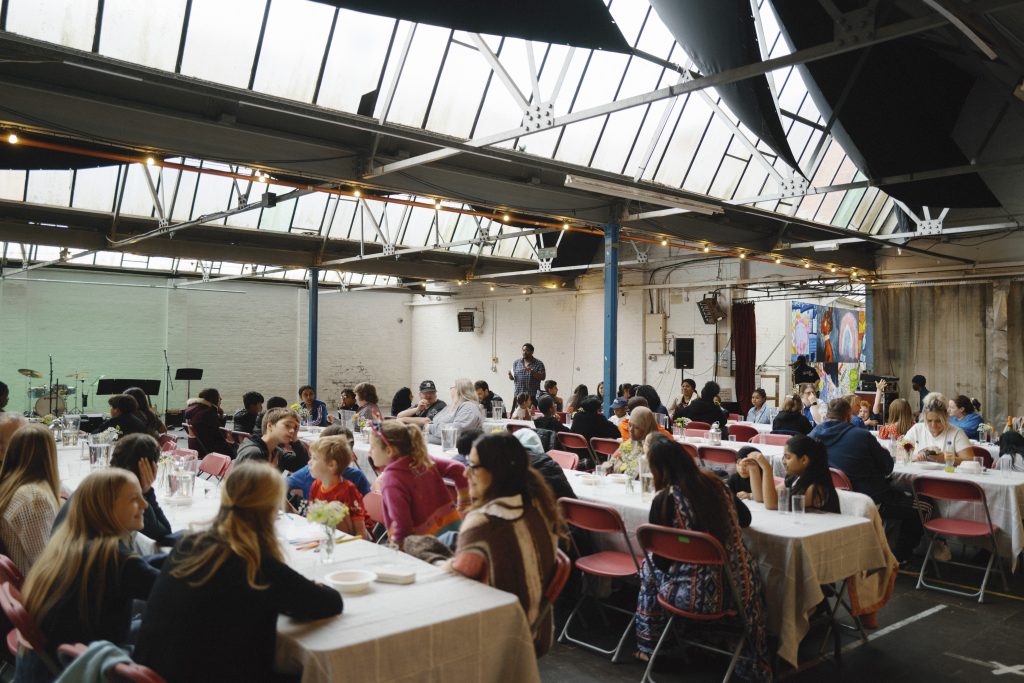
x,y
604,446
10,603
186,452
168,439
374,504
227,469
562,416
735,417
559,577
742,432
565,459
228,435
572,440
948,489
980,452
680,545
591,516
772,439
241,436
840,481
721,456
10,573
215,464
699,433
453,490
692,451
702,426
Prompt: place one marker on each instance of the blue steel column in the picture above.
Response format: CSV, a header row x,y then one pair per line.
x,y
314,296
611,311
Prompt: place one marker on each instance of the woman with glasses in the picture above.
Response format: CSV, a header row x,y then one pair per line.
x,y
509,538
415,496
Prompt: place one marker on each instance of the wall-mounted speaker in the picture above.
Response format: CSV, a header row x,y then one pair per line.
x,y
684,353
710,311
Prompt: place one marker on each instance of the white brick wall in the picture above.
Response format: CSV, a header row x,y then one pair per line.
x,y
245,336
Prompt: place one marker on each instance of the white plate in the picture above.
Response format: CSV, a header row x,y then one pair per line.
x,y
590,479
617,478
351,581
930,465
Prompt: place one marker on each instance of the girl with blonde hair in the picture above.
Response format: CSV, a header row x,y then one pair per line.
x,y
901,419
29,494
82,586
227,585
415,496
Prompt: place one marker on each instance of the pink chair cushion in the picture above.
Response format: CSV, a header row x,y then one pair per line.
x,y
965,528
607,563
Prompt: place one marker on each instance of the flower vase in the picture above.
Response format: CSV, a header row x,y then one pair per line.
x,y
327,545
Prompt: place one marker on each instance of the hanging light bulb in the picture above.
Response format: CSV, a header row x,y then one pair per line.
x,y
778,259
357,194
437,204
833,269
149,161
743,254
565,226
807,264
706,248
664,243
505,218
12,138
492,288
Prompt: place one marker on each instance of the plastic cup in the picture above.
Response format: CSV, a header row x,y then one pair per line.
x,y
449,435
798,506
950,462
783,494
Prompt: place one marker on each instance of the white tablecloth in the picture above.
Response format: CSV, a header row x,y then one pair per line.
x,y
759,426
795,556
443,627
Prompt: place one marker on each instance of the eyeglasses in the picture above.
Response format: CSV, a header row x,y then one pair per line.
x,y
375,428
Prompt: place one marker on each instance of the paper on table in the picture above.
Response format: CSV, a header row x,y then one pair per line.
x,y
295,530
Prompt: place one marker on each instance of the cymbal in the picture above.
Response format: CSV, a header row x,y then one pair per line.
x,y
78,375
30,373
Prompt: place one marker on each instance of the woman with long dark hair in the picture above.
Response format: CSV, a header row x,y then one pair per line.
x,y
807,475
578,394
154,427
694,499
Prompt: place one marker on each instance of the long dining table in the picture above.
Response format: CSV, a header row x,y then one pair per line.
x,y
441,627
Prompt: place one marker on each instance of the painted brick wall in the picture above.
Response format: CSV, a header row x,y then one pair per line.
x,y
245,336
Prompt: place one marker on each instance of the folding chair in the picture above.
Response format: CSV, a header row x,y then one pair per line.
x,y
735,417
959,491
563,567
227,470
565,459
612,564
228,435
743,432
10,573
692,451
121,673
605,447
28,632
576,443
374,504
214,466
168,440
983,453
840,481
771,439
693,548
719,456
699,426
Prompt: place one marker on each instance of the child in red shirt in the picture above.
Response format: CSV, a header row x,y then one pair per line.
x,y
328,458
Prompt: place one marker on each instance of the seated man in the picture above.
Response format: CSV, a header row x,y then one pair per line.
x,y
618,410
486,396
205,417
245,419
867,465
548,419
123,418
551,389
348,401
429,405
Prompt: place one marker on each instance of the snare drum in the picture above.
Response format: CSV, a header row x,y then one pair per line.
x,y
36,392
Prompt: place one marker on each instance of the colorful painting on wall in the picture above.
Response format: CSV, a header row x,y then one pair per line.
x,y
832,338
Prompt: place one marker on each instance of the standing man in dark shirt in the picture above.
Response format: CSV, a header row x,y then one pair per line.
x,y
245,419
803,373
486,396
429,405
917,382
527,372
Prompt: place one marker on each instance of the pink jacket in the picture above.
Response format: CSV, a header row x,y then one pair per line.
x,y
418,502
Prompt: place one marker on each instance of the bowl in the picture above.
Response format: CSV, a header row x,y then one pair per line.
x,y
350,581
969,468
618,478
590,479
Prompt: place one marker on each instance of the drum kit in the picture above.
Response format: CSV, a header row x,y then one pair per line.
x,y
53,398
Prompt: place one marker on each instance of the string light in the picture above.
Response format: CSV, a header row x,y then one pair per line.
x,y
492,288
833,269
806,264
149,161
506,219
743,254
565,226
664,243
778,259
12,138
437,204
706,248
357,194
524,290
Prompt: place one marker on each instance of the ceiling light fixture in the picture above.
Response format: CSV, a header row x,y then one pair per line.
x,y
806,264
149,161
778,259
743,254
624,192
706,248
565,226
12,138
505,218
437,204
357,194
664,243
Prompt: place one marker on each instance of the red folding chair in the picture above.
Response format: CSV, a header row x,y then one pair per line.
x,y
612,564
563,567
693,548
719,456
576,443
374,504
228,435
699,433
840,481
692,451
772,439
699,426
605,447
958,491
562,416
227,470
214,466
27,631
9,572
980,452
735,417
121,673
565,459
743,432
168,440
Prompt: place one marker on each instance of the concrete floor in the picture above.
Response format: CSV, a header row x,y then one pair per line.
x,y
923,635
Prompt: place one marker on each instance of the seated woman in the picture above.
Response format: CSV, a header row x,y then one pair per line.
x,y
124,416
589,422
791,419
576,400
510,536
154,426
366,399
739,481
316,408
463,412
690,498
402,400
639,424
226,586
901,419
81,588
807,475
524,407
964,413
813,409
705,409
935,436
415,497
760,412
205,417
29,494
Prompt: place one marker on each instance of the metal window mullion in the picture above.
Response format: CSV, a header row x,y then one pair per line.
x,y
195,194
668,143
437,79
572,103
3,27
327,52
184,36
399,68
696,150
99,26
291,221
259,44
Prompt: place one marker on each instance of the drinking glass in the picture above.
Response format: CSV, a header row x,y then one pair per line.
x,y
646,486
783,494
798,507
1005,465
981,464
449,435
732,437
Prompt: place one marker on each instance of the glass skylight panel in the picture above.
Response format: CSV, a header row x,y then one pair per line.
x,y
293,48
278,218
160,263
356,59
712,147
95,188
617,140
46,253
221,41
419,228
49,187
65,22
214,195
671,166
310,212
182,209
144,33
459,91
108,258
418,75
12,185
727,178
343,217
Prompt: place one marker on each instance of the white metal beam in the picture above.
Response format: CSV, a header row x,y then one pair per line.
x,y
898,236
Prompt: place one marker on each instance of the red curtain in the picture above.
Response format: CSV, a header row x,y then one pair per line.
x,y
744,345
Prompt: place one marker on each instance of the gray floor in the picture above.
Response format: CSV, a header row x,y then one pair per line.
x,y
922,635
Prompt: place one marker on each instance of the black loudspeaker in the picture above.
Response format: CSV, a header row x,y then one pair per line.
x,y
684,353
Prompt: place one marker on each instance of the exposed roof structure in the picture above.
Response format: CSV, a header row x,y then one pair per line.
x,y
443,132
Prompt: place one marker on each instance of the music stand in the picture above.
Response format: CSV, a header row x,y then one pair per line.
x,y
188,374
108,387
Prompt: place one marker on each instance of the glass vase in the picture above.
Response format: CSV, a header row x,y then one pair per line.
x,y
327,545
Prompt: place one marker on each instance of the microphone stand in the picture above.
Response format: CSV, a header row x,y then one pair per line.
x,y
167,386
53,389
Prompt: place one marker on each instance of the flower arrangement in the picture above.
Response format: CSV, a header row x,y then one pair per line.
x,y
329,513
47,419
906,444
681,422
627,459
301,410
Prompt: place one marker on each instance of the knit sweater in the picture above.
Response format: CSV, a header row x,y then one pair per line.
x,y
26,522
416,501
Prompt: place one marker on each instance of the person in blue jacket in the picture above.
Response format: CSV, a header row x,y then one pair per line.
x,y
965,413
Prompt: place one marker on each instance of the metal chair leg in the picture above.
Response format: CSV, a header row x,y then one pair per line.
x,y
650,662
